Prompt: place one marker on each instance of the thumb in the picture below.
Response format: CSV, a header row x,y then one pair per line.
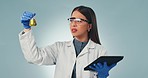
x,y
34,14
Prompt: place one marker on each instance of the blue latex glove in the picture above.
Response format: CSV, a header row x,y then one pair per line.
x,y
25,19
103,70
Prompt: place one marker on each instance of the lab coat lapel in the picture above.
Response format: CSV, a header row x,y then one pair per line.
x,y
71,48
89,45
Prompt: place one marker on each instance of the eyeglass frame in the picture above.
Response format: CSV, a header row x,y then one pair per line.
x,y
79,19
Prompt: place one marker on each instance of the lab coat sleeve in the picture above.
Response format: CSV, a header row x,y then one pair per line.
x,y
35,55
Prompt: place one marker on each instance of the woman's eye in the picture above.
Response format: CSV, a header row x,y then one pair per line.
x,y
79,21
71,20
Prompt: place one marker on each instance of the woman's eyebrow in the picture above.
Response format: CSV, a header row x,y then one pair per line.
x,y
72,17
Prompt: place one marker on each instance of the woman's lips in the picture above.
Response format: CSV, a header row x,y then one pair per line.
x,y
74,30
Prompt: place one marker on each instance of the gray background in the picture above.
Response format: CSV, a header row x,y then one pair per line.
x,y
122,24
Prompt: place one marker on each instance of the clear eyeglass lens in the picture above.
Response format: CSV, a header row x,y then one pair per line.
x,y
76,20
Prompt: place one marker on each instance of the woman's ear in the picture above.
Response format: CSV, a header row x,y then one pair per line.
x,y
89,27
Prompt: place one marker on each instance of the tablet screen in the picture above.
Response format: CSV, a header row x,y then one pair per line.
x,y
109,59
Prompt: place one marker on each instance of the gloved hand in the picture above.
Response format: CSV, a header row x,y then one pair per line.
x,y
25,19
103,70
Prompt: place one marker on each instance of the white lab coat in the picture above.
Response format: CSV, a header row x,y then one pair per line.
x,y
62,54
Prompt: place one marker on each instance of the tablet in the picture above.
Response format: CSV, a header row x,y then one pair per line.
x,y
109,59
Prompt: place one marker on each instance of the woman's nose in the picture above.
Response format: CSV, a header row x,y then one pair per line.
x,y
73,24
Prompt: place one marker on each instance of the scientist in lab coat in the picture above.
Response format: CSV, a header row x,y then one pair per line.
x,y
70,57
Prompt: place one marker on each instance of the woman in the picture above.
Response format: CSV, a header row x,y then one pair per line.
x,y
70,57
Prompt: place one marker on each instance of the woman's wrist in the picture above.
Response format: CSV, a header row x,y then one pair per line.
x,y
101,76
26,30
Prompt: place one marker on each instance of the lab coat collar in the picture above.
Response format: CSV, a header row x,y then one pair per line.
x,y
90,45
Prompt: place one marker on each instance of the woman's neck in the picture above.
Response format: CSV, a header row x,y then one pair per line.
x,y
84,39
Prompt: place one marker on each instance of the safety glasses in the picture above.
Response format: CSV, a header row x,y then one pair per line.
x,y
78,21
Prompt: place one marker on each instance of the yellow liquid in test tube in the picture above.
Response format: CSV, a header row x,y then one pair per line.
x,y
32,22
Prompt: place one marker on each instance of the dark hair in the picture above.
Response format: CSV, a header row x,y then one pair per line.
x,y
90,16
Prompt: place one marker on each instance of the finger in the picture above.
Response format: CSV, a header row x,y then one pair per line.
x,y
34,14
94,65
99,65
93,68
105,64
24,21
25,18
29,14
26,13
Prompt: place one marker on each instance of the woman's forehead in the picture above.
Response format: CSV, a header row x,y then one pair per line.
x,y
77,14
